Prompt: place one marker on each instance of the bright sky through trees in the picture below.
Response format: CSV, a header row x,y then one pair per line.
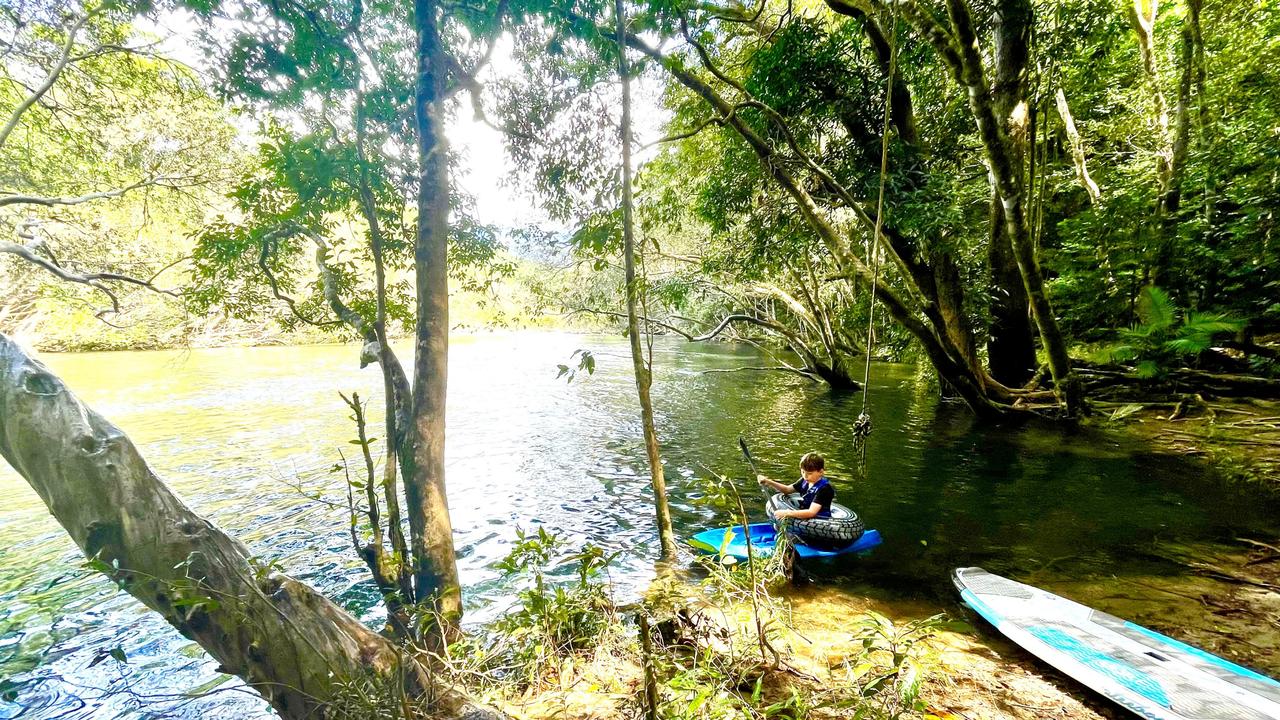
x,y
485,171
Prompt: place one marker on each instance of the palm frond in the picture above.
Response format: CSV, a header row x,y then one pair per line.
x,y
1189,344
1148,369
1155,309
1137,333
1119,353
1209,324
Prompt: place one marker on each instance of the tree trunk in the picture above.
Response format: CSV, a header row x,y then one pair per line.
x,y
644,380
397,591
1001,119
288,642
1011,348
949,292
1142,15
435,566
1170,200
1077,149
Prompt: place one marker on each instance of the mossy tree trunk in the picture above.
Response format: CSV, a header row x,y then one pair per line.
x,y
1000,114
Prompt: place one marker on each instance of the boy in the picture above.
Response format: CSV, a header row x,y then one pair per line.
x,y
818,492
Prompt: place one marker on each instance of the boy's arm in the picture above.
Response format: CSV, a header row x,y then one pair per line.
x,y
774,484
806,514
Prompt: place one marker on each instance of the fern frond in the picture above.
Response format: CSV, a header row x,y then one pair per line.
x,y
1155,309
1148,369
1189,344
1210,324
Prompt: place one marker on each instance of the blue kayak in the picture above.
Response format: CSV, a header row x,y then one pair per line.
x,y
763,536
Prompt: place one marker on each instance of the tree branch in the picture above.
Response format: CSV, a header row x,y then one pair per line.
x,y
1077,149
52,77
717,121
650,321
93,280
14,199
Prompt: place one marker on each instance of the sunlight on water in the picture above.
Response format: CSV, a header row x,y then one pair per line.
x,y
232,429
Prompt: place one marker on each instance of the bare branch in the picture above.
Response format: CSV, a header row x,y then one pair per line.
x,y
647,320
717,121
268,243
706,59
52,201
736,13
94,280
466,80
751,319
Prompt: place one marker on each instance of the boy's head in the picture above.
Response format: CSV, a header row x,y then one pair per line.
x,y
812,462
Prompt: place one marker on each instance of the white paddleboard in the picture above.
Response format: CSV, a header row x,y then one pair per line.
x,y
1154,676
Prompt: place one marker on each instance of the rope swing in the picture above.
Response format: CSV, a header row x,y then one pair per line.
x,y
862,426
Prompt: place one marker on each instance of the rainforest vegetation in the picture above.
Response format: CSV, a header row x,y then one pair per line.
x,y
1053,208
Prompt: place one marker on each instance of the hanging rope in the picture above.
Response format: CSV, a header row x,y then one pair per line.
x,y
862,426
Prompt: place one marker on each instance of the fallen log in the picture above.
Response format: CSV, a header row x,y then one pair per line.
x,y
1180,381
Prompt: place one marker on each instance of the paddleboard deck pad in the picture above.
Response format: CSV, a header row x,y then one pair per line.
x,y
729,542
1149,674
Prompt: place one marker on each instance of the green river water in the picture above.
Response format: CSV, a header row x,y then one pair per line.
x,y
230,429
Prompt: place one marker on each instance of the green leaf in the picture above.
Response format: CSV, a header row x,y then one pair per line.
x,y
1210,324
1190,345
1121,413
1148,369
1155,309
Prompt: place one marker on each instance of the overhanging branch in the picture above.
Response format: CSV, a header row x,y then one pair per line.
x,y
16,199
93,280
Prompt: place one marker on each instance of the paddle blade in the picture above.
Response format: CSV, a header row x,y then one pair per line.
x,y
742,443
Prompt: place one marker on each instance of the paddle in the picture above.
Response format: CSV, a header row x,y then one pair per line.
x,y
746,453
788,567
742,443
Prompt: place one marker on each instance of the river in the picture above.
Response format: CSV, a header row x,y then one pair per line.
x,y
238,431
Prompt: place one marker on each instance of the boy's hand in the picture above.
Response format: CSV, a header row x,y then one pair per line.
x,y
762,479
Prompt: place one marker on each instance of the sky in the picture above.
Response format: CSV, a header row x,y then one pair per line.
x,y
485,163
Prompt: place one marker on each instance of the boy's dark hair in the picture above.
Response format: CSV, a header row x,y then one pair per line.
x,y
812,461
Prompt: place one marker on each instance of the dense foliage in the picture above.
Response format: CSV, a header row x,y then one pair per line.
x,y
1142,139
107,171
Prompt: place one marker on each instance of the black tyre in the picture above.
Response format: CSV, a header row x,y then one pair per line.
x,y
837,532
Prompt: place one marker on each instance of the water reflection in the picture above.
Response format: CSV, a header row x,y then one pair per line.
x,y
231,428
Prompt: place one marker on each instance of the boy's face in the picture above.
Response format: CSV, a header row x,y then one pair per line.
x,y
811,475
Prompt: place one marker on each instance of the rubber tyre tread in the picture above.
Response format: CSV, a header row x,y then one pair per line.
x,y
842,529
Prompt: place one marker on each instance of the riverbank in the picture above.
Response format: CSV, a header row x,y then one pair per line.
x,y
1237,437
829,655
152,322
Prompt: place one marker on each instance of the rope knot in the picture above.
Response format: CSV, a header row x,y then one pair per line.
x,y
862,426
